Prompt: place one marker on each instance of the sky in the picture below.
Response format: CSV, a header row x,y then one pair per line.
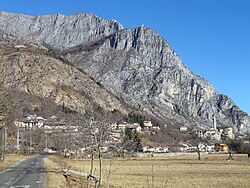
x,y
212,37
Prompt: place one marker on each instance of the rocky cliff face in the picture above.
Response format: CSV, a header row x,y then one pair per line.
x,y
141,67
136,65
58,30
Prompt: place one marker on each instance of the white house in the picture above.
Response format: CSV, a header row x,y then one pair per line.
x,y
135,127
183,129
229,133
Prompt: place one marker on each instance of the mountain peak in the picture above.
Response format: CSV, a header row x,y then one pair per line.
x,y
58,30
136,65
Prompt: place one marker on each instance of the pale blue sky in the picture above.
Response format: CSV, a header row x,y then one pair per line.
x,y
211,36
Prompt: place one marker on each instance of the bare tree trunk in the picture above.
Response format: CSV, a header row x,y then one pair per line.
x,y
100,165
230,155
30,141
91,170
199,153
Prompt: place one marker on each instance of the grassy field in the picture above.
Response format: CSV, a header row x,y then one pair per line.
x,y
55,178
180,171
10,160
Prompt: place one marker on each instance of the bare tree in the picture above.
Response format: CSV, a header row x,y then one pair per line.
x,y
197,141
198,151
97,129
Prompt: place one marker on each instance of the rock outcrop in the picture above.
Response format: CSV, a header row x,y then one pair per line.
x,y
136,65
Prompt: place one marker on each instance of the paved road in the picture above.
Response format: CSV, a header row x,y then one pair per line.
x,y
30,173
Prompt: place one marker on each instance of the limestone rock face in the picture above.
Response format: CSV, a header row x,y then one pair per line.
x,y
57,30
137,65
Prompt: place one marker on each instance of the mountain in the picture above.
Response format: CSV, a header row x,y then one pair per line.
x,y
136,65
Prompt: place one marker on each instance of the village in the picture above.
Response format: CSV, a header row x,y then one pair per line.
x,y
210,140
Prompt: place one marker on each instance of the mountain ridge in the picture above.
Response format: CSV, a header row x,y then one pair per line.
x,y
137,65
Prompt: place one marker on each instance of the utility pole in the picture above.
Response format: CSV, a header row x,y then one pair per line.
x,y
4,141
46,140
2,146
18,139
30,140
5,138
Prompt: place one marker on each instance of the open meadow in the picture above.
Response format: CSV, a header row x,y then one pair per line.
x,y
214,170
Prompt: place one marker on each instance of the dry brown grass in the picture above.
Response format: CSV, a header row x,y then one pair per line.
x,y
181,171
55,178
11,160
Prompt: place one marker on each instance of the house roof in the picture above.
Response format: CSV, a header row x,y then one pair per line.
x,y
132,126
147,123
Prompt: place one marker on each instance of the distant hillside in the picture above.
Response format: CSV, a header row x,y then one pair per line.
x,y
37,78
